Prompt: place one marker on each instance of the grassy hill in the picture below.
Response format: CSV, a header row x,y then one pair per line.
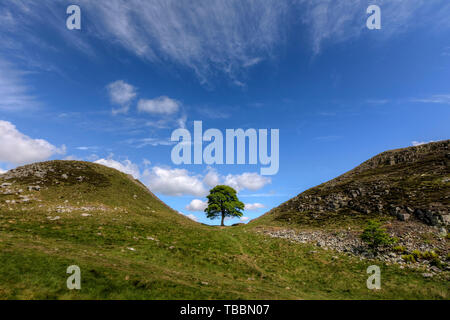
x,y
130,245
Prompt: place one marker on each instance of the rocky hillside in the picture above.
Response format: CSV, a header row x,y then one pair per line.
x,y
408,184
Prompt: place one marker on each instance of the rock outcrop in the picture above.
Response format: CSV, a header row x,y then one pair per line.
x,y
410,183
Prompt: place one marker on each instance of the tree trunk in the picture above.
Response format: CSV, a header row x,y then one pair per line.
x,y
223,218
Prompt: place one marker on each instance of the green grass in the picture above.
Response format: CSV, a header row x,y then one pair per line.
x,y
188,262
185,260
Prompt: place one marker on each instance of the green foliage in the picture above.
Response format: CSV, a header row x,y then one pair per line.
x,y
399,249
223,202
409,258
417,254
429,255
433,257
376,236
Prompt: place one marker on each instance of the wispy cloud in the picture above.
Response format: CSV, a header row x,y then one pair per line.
x,y
22,23
438,98
331,21
378,101
154,142
15,94
205,36
212,37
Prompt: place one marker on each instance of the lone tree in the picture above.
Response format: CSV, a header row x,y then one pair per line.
x,y
376,236
223,202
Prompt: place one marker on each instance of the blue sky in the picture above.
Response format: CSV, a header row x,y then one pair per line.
x,y
114,91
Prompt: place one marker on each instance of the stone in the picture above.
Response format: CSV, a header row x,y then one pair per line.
x,y
403,216
446,219
426,216
435,269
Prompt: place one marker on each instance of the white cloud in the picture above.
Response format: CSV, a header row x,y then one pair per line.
x,y
125,166
122,94
192,217
419,143
2,171
146,162
154,142
87,148
212,178
174,182
197,205
179,182
244,219
247,180
438,98
161,105
18,148
254,206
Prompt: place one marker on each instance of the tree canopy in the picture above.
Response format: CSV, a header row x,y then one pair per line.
x,y
223,202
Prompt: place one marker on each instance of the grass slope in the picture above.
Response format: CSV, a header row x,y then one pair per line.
x,y
129,245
